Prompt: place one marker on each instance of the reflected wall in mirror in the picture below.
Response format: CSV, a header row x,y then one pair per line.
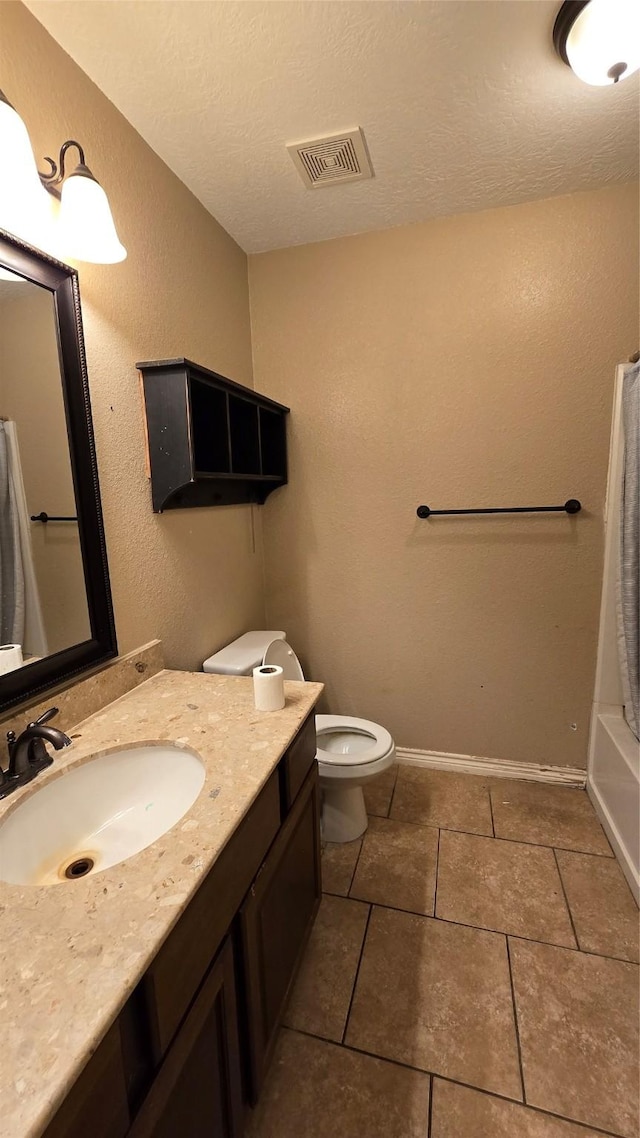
x,y
56,616
43,607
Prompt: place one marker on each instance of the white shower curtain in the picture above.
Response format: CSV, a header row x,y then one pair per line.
x,y
629,568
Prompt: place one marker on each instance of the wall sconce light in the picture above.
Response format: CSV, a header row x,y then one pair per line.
x,y
25,209
599,39
85,222
84,227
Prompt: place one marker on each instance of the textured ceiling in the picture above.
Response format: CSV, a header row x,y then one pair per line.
x,y
464,104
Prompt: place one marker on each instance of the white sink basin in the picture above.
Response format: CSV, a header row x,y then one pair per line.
x,y
98,814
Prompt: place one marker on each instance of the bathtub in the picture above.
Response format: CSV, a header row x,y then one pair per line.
x,y
613,785
613,771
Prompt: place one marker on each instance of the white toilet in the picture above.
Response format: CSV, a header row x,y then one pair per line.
x,y
349,751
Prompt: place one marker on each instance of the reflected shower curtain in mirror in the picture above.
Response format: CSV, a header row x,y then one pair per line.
x,y
34,638
629,575
11,572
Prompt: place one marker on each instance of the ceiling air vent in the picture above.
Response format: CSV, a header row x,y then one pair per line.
x,y
336,158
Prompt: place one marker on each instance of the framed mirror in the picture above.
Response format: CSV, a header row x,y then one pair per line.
x,y
56,614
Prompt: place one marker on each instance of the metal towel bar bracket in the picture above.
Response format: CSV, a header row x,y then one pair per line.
x,y
571,506
44,518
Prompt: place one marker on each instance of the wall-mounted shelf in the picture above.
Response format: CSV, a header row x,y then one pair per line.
x,y
212,442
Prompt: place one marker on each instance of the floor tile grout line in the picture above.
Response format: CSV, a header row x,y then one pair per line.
x,y
566,900
430,1114
498,838
515,1018
355,868
393,794
356,974
493,825
435,886
456,1082
482,929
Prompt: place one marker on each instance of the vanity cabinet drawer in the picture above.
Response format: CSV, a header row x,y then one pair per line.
x,y
175,975
97,1103
297,762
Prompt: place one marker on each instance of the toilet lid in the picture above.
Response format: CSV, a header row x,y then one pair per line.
x,y
344,741
282,655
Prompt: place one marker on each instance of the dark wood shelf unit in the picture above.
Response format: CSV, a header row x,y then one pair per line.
x,y
211,441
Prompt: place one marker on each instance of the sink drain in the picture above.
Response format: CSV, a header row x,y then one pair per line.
x,y
79,868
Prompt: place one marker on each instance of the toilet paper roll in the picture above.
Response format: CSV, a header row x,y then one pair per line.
x,y
10,658
268,688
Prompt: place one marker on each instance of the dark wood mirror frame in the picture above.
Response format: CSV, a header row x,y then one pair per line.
x,y
62,282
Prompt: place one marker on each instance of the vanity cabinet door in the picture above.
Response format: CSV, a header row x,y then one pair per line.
x,y
97,1104
275,922
197,1092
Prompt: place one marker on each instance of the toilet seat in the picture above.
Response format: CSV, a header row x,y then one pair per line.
x,y
282,655
350,742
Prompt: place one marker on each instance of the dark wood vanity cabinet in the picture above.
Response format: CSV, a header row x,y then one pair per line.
x,y
191,1047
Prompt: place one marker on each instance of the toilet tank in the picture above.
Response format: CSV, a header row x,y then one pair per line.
x,y
243,655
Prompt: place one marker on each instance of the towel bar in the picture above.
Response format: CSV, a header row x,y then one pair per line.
x,y
571,506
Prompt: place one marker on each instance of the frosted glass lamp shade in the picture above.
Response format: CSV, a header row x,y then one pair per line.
x,y
86,228
602,44
25,206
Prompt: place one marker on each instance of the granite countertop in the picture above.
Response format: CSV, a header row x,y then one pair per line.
x,y
71,954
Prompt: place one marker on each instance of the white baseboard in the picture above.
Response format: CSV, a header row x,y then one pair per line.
x,y
494,768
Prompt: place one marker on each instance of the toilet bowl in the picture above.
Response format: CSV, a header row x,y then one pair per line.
x,y
349,751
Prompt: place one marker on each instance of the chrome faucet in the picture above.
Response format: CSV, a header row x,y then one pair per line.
x,y
28,754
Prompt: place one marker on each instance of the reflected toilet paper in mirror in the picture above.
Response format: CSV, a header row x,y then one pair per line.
x,y
10,658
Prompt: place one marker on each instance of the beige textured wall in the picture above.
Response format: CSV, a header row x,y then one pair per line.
x,y
31,395
462,362
192,577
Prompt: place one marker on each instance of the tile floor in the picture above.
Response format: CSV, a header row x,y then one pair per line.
x,y
473,973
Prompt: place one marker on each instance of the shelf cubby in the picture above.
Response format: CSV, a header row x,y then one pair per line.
x,y
273,439
245,436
